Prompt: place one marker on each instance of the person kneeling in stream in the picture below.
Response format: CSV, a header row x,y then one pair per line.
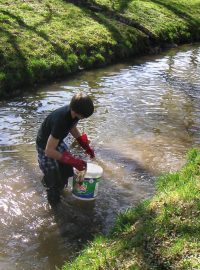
x,y
54,158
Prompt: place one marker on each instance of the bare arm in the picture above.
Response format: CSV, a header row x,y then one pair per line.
x,y
50,150
75,132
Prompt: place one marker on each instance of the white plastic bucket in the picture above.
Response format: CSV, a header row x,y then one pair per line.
x,y
88,188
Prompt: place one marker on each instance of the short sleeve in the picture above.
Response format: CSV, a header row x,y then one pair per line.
x,y
57,130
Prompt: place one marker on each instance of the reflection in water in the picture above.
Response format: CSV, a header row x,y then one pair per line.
x,y
147,117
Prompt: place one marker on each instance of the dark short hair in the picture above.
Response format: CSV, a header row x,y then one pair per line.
x,y
82,105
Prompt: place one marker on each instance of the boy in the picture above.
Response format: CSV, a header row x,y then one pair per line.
x,y
54,158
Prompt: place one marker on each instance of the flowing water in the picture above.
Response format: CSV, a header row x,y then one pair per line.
x,y
147,117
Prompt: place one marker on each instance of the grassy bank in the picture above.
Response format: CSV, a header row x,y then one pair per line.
x,y
161,233
50,39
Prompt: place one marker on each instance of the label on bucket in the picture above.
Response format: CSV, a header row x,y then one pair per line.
x,y
87,189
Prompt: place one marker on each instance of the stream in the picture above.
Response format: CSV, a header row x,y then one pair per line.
x,y
147,116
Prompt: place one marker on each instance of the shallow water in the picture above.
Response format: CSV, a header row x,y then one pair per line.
x,y
147,117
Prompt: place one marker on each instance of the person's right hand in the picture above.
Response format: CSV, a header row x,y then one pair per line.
x,y
77,163
85,144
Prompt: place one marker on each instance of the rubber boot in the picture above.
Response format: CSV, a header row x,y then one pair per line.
x,y
53,196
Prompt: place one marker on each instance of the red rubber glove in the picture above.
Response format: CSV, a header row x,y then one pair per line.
x,y
77,163
84,143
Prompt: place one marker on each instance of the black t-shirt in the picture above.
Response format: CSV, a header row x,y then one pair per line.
x,y
58,124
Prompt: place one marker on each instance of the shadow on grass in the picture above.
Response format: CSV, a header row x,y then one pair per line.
x,y
180,11
123,5
58,50
120,50
152,239
18,73
115,15
21,60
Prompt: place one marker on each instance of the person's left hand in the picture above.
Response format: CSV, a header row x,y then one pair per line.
x,y
84,143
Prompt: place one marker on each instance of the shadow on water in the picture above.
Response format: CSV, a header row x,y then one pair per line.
x,y
177,82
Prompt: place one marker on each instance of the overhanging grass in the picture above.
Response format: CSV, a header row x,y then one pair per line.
x,y
161,233
49,39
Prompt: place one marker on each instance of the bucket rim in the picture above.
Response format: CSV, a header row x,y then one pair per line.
x,y
90,173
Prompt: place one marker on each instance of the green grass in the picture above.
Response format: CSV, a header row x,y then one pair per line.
x,y
45,40
161,233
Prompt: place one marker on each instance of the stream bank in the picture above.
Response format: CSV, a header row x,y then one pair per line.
x,y
160,233
49,40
